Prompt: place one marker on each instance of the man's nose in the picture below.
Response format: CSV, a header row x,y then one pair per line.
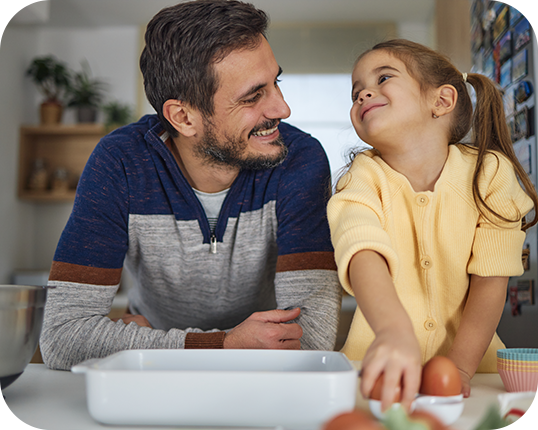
x,y
277,108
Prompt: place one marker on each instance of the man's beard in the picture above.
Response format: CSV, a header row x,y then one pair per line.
x,y
230,151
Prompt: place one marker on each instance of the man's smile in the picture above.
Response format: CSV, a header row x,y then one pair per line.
x,y
265,132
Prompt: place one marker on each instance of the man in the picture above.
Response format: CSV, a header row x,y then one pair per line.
x,y
215,206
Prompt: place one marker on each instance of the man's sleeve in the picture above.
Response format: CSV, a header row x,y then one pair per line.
x,y
86,273
306,272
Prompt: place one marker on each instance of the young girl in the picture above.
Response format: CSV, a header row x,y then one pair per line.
x,y
426,229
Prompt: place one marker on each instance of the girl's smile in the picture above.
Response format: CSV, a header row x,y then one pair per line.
x,y
369,107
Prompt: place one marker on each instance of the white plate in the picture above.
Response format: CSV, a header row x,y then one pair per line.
x,y
256,388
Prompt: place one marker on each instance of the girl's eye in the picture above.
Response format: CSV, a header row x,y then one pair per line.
x,y
277,81
383,78
355,96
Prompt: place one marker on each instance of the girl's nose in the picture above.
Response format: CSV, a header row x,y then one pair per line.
x,y
363,95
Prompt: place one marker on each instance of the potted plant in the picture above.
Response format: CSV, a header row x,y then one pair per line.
x,y
85,94
116,115
52,79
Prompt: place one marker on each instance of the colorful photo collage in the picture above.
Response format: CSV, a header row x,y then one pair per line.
x,y
501,46
500,38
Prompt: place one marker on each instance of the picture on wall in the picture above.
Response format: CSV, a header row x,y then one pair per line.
x,y
520,65
478,62
489,66
505,47
476,37
506,74
521,124
522,34
501,22
497,60
523,91
517,10
511,122
509,102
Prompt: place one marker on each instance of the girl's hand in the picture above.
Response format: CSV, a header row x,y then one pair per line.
x,y
465,383
396,354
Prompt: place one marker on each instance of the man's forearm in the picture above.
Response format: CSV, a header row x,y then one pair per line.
x,y
319,295
76,328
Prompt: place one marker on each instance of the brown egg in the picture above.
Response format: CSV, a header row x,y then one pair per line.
x,y
354,420
440,377
375,394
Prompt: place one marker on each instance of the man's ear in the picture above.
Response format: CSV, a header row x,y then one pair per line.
x,y
446,97
182,117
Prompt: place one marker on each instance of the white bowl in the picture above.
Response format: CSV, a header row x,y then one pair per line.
x,y
233,388
446,408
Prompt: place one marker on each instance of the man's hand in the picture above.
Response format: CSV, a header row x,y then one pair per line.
x,y
138,319
266,330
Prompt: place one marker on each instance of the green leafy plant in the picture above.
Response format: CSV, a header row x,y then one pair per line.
x,y
51,76
117,114
84,90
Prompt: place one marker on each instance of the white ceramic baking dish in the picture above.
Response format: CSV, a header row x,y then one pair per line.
x,y
241,388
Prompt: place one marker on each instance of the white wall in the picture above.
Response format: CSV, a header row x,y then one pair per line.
x,y
320,105
17,225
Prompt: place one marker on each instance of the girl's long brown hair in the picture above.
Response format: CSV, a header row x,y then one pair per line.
x,y
489,129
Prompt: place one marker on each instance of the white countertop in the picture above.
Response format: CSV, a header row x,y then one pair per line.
x,y
56,400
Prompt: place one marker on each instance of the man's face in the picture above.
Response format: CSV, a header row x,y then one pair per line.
x,y
243,131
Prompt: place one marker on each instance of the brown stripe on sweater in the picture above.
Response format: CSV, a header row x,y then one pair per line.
x,y
66,272
306,261
214,340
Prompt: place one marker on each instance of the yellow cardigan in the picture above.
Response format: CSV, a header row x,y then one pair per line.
x,y
432,241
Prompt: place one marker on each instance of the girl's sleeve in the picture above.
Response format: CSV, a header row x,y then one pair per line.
x,y
498,244
357,216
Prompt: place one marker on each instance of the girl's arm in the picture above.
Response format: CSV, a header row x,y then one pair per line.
x,y
395,350
480,319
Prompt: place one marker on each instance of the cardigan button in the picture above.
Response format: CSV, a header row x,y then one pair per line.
x,y
426,262
430,325
422,200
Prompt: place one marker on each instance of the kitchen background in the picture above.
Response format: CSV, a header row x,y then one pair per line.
x,y
315,42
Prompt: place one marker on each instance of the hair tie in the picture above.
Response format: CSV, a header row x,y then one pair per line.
x,y
464,77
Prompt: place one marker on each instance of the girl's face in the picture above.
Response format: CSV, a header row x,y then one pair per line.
x,y
387,102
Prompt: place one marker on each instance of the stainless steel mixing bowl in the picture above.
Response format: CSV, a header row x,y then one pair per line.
x,y
21,319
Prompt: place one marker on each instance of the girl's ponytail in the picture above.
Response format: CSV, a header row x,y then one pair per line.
x,y
490,132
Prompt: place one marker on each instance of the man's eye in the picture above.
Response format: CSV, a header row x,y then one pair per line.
x,y
253,99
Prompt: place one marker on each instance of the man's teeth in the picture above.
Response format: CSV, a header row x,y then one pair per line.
x,y
265,132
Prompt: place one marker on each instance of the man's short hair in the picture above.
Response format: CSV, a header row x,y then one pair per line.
x,y
184,41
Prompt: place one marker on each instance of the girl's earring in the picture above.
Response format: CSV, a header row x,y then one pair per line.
x,y
434,116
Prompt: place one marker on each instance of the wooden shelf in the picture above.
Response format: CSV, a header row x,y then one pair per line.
x,y
60,147
47,196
